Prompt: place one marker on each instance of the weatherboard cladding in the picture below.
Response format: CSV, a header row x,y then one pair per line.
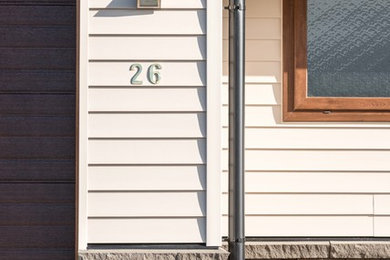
x,y
307,180
303,179
147,143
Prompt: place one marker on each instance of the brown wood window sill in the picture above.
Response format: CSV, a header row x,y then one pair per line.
x,y
297,105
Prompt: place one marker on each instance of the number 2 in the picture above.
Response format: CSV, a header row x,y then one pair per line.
x,y
134,80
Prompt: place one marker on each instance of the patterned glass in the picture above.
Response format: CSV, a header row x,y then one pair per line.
x,y
348,48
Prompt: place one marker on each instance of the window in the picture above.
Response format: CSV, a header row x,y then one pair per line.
x,y
336,60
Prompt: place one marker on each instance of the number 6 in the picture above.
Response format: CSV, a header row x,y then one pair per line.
x,y
154,76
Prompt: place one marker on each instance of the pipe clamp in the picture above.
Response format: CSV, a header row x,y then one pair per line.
x,y
235,7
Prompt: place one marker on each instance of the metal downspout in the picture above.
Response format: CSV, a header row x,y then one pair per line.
x,y
236,128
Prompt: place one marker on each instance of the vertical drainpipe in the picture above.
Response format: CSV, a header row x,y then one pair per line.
x,y
236,128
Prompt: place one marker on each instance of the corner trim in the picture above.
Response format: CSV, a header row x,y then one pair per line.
x,y
82,117
214,124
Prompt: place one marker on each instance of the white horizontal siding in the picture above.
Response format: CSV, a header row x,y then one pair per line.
x,y
257,28
382,226
147,151
147,99
171,4
302,179
146,230
260,8
141,125
257,116
285,138
307,226
146,204
140,178
314,160
259,50
305,204
314,182
147,143
147,22
271,116
271,72
382,204
257,94
172,73
147,48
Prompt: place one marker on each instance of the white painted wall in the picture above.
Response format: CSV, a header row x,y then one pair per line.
x,y
146,146
303,179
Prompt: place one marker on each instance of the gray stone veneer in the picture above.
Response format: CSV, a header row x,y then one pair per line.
x,y
373,250
166,254
257,250
317,250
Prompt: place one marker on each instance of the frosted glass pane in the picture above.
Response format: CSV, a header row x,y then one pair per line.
x,y
348,48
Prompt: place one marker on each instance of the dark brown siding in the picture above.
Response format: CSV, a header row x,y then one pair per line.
x,y
37,129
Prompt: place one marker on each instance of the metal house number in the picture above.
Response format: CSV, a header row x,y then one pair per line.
x,y
153,74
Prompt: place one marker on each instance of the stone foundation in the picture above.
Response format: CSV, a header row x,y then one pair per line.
x,y
257,250
317,250
166,254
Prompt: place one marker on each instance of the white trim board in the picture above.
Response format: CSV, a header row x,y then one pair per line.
x,y
214,122
82,134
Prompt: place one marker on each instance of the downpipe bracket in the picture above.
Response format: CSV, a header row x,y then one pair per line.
x,y
234,7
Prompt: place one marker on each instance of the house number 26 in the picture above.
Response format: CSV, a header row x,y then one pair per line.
x,y
153,74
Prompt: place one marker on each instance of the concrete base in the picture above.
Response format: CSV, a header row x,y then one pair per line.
x,y
256,250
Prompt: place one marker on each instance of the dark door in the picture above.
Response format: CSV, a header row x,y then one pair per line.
x,y
37,129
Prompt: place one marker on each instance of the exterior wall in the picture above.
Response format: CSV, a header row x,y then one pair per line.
x,y
37,138
145,146
303,179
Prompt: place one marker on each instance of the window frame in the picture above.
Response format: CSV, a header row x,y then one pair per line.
x,y
297,106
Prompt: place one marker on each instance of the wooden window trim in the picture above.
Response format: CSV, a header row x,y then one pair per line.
x,y
297,106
